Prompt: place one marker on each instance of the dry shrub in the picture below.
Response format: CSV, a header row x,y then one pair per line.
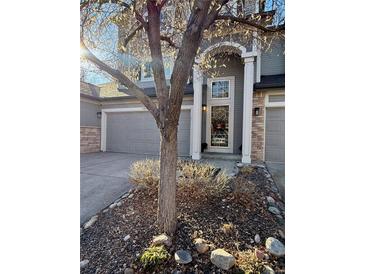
x,y
249,263
191,176
145,173
227,228
244,190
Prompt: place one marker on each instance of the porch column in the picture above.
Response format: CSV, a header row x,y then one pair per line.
x,y
197,113
247,109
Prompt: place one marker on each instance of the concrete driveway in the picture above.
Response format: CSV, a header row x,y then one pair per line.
x,y
103,179
277,171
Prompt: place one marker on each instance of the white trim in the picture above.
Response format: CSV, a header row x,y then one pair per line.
x,y
220,102
248,83
197,113
104,119
243,51
274,104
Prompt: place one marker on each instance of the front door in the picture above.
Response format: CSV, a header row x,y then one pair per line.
x,y
220,103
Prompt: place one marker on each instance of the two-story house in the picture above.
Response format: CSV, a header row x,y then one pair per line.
x,y
239,111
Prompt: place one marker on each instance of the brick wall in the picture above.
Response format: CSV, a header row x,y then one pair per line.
x,y
90,139
257,149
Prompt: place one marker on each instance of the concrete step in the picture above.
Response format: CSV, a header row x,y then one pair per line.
x,y
221,156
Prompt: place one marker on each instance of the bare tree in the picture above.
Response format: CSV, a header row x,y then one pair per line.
x,y
154,29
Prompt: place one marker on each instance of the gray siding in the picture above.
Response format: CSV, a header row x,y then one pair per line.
x,y
88,116
273,59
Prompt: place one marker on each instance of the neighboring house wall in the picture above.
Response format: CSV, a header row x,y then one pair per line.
x,y
110,90
89,89
90,139
88,114
273,59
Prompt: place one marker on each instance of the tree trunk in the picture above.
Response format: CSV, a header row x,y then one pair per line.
x,y
167,188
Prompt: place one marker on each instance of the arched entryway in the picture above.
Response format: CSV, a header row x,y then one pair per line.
x,y
224,136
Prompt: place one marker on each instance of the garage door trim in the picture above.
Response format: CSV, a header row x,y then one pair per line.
x,y
269,105
135,109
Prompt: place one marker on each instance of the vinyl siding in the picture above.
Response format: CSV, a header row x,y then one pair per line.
x,y
88,116
273,59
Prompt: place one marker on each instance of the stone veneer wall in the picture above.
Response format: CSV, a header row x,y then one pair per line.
x,y
90,139
258,124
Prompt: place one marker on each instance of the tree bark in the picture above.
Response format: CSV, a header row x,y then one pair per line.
x,y
167,188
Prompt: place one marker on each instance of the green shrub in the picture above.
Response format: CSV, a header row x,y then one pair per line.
x,y
154,256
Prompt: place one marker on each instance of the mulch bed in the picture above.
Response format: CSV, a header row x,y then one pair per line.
x,y
199,215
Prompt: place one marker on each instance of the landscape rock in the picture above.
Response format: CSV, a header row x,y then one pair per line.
x,y
271,201
281,233
112,206
126,238
183,256
90,222
201,245
119,203
259,254
274,210
129,271
257,238
267,270
222,259
275,247
162,239
83,263
240,164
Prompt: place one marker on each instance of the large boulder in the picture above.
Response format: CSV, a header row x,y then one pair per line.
x,y
222,259
275,247
162,239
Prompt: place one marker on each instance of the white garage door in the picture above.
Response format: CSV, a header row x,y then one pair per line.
x,y
136,132
275,135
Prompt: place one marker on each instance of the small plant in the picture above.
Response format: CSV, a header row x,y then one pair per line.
x,y
249,263
154,256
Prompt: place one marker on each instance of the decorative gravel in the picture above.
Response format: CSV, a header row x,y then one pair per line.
x,y
228,220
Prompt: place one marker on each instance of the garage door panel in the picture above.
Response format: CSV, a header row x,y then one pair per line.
x,y
136,132
275,135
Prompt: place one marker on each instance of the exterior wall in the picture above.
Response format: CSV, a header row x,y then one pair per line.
x,y
90,139
258,127
273,59
88,116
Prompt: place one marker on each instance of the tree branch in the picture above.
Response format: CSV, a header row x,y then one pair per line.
x,y
124,80
169,41
250,23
